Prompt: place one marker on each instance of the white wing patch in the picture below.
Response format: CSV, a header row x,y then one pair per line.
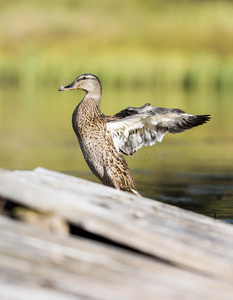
x,y
145,125
130,134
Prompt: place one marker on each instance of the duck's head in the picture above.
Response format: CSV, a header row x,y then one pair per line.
x,y
86,82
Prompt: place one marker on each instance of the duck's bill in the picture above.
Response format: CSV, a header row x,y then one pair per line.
x,y
68,87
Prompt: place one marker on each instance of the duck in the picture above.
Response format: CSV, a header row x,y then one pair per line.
x,y
104,139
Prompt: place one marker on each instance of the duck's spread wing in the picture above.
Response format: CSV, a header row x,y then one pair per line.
x,y
134,127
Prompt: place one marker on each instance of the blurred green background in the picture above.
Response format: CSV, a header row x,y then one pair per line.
x,y
169,53
151,42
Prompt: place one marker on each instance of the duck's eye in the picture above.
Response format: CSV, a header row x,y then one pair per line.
x,y
84,78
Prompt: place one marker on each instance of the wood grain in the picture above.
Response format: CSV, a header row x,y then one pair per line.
x,y
35,263
183,255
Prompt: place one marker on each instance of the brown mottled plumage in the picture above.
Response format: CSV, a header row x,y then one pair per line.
x,y
103,138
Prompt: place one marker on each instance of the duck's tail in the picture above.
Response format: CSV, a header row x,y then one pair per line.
x,y
135,192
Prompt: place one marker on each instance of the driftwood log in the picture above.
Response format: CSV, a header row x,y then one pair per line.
x,y
126,248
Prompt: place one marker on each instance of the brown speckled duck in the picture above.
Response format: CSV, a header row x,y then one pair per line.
x,y
104,139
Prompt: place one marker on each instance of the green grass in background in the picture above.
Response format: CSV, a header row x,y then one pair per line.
x,y
126,43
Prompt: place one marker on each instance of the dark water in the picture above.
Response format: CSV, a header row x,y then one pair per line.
x,y
192,170
207,194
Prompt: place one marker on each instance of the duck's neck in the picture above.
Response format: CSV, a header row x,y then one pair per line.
x,y
94,94
92,97
90,104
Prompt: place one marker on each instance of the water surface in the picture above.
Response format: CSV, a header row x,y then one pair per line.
x,y
193,170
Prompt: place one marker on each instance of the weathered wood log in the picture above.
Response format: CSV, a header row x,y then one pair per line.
x,y
37,264
173,239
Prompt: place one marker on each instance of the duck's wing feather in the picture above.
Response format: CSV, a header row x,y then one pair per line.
x,y
134,127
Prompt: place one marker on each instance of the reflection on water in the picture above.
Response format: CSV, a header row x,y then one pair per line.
x,y
192,170
208,194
